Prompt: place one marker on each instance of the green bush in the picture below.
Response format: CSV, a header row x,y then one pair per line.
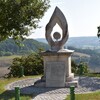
x,y
33,65
74,66
80,68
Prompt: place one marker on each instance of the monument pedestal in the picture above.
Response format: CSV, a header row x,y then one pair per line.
x,y
57,69
57,62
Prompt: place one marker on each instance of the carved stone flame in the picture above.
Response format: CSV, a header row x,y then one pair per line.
x,y
59,18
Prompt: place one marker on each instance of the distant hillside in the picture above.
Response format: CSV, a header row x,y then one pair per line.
x,y
41,40
91,57
30,45
80,42
83,42
85,48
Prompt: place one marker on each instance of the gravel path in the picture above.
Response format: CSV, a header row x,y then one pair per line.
x,y
86,84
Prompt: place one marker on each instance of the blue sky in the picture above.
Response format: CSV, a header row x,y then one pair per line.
x,y
83,17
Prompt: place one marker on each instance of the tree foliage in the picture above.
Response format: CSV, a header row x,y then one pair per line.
x,y
32,64
74,66
98,34
80,68
18,17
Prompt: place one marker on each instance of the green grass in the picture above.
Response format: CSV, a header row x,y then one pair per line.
x,y
9,95
93,74
88,96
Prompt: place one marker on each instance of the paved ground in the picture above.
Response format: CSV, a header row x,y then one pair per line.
x,y
86,84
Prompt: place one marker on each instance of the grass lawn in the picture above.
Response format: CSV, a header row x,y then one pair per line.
x,y
88,96
8,95
93,74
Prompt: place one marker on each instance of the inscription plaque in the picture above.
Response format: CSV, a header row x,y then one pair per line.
x,y
55,74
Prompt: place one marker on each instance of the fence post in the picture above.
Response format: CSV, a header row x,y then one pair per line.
x,y
72,94
17,93
21,71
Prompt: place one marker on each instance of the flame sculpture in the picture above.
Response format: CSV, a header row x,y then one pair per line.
x,y
59,18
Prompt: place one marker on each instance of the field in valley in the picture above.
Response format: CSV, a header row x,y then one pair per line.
x,y
5,62
3,71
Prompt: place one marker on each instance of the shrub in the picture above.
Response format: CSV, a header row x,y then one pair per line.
x,y
74,66
32,64
80,68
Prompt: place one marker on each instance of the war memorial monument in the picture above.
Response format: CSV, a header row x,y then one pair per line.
x,y
57,60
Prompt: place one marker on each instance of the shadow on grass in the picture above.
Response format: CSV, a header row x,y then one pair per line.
x,y
27,93
7,95
10,95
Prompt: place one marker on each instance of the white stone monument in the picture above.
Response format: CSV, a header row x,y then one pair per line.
x,y
57,60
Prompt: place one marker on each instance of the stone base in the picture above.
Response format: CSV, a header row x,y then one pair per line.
x,y
42,83
68,84
70,77
39,84
72,83
43,78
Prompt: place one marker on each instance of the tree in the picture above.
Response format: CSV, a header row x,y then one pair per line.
x,y
18,17
98,34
